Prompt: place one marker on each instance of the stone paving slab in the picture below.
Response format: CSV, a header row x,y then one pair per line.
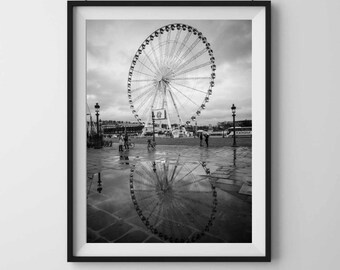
x,y
231,182
133,237
115,231
100,220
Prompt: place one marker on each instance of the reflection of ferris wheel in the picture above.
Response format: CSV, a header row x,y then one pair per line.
x,y
174,70
174,199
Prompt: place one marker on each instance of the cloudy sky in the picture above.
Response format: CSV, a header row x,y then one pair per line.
x,y
111,45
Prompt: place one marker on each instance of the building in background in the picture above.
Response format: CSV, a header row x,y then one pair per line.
x,y
110,127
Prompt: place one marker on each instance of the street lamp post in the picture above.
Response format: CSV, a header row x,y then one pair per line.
x,y
98,142
100,186
195,128
97,107
153,126
233,110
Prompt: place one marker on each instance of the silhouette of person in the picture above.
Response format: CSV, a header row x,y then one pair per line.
x,y
126,141
207,139
120,144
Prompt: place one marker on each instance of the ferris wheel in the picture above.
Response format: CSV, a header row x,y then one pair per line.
x,y
174,199
173,71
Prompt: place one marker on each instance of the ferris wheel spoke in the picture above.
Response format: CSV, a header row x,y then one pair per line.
x,y
158,176
183,43
193,68
179,209
198,201
146,80
179,213
190,78
155,55
158,215
187,174
172,217
173,220
192,88
180,59
188,201
192,183
142,183
172,87
174,103
191,47
146,67
146,190
145,111
153,100
187,184
149,173
150,89
192,192
143,102
152,76
144,200
153,209
164,170
178,101
188,209
151,62
153,215
138,182
173,48
175,168
183,211
145,197
141,87
167,47
173,177
166,220
145,177
197,55
160,49
195,217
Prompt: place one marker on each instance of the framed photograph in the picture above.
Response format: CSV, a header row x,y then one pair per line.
x,y
168,131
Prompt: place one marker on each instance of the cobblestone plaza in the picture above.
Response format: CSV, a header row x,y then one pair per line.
x,y
202,214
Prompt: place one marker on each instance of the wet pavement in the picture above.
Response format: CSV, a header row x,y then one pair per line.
x,y
171,194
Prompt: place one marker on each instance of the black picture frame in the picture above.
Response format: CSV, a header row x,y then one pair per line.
x,y
70,135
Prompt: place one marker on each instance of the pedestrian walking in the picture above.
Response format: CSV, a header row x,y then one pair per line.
x,y
126,141
110,141
201,139
207,139
121,142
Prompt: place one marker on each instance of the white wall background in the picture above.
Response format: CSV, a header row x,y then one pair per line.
x,y
305,135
